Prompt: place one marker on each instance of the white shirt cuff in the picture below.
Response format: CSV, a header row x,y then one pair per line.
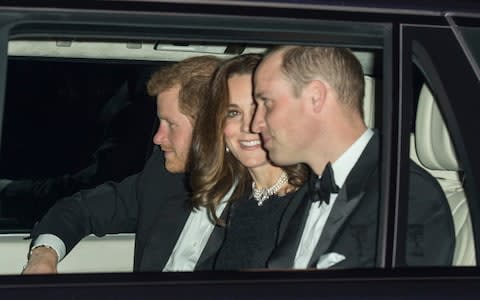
x,y
52,241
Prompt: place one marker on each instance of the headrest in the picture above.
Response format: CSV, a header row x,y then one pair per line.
x,y
432,140
369,102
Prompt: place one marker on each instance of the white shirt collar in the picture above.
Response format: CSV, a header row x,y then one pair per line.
x,y
344,164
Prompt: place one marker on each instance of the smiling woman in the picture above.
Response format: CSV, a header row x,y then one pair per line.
x,y
225,153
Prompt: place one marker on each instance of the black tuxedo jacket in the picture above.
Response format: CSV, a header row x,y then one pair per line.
x,y
351,227
154,204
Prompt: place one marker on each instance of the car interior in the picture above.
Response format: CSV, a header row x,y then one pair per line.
x,y
84,103
432,149
115,57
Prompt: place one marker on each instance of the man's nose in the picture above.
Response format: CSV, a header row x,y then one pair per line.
x,y
160,135
258,122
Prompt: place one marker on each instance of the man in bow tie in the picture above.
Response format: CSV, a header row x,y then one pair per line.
x,y
310,110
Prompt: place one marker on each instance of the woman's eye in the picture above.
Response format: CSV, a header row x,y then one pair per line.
x,y
232,113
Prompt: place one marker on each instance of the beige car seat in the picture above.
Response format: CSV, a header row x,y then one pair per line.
x,y
432,149
369,102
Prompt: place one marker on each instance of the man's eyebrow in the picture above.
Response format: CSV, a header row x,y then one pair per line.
x,y
166,119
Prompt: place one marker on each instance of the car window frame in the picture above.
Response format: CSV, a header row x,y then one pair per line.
x,y
393,146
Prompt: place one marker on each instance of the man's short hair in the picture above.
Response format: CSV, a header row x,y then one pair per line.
x,y
192,75
337,66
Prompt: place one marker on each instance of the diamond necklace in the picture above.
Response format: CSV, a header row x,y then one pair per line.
x,y
261,195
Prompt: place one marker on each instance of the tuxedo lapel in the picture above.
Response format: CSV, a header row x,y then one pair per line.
x,y
164,232
342,209
298,199
349,196
206,260
290,230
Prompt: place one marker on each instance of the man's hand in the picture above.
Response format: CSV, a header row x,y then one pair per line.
x,y
43,260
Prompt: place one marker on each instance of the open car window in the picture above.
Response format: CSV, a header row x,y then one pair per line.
x,y
88,100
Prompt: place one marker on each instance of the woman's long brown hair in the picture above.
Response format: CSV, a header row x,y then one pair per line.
x,y
214,171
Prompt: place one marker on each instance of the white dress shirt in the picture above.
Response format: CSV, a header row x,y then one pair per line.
x,y
194,237
52,241
319,211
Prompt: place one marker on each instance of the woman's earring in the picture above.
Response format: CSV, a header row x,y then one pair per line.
x,y
227,150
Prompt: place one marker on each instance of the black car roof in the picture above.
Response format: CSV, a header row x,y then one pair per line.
x,y
376,6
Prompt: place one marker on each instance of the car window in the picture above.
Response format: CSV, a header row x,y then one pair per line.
x,y
86,75
96,123
77,114
436,145
432,149
470,35
68,126
69,74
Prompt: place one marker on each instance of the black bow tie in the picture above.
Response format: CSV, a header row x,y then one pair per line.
x,y
322,187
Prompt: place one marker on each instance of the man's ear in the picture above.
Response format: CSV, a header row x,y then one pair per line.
x,y
317,93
